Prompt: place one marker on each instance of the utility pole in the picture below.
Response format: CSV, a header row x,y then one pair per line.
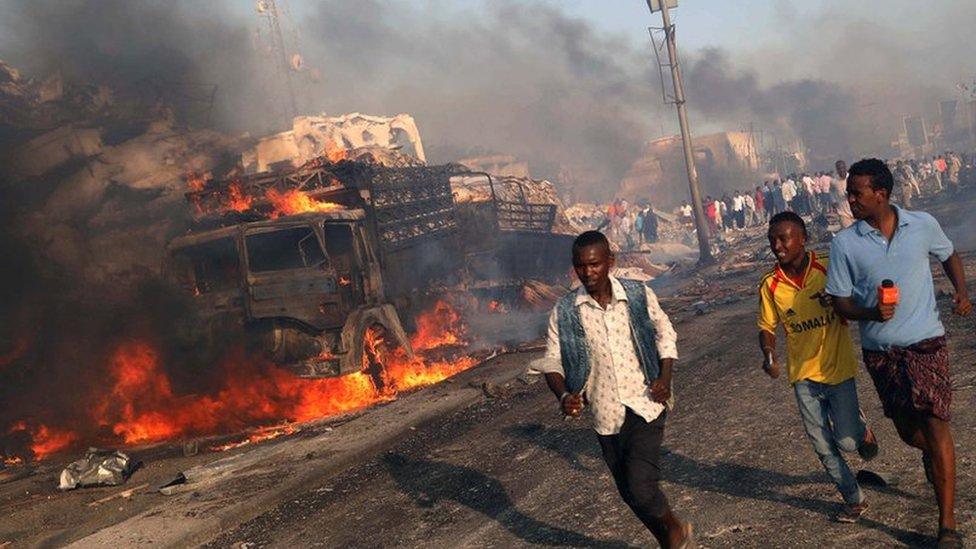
x,y
704,249
280,55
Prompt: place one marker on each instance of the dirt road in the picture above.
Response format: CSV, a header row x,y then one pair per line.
x,y
509,472
449,466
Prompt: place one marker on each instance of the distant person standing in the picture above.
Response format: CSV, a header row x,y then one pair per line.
x,y
711,212
940,165
839,194
903,341
649,225
749,205
762,207
953,167
779,203
902,184
721,217
738,210
821,361
686,211
789,194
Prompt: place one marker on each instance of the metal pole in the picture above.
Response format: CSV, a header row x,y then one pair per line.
x,y
704,250
279,44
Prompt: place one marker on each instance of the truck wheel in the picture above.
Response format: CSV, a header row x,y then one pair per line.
x,y
377,351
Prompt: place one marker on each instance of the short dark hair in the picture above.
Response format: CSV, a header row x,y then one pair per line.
x,y
877,170
590,238
789,217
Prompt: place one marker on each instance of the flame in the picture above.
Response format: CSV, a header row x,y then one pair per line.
x,y
196,181
259,435
237,200
438,327
343,281
16,460
293,202
45,440
48,440
497,307
142,406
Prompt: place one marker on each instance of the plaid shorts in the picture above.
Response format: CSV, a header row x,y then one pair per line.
x,y
913,378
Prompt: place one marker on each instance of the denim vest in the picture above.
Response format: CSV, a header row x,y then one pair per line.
x,y
575,352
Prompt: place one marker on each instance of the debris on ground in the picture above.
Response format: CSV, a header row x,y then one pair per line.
x,y
97,468
495,391
124,494
866,477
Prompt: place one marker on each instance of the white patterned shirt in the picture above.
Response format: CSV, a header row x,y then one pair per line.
x,y
616,381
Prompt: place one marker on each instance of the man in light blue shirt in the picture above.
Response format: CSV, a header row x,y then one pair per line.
x,y
904,343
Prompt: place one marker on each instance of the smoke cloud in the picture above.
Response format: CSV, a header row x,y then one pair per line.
x,y
521,78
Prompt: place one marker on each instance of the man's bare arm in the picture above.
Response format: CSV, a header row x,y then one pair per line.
x,y
661,387
556,383
845,307
571,404
957,275
767,344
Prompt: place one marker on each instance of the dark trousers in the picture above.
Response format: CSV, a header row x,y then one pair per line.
x,y
634,458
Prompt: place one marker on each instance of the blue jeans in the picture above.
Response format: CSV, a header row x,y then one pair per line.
x,y
833,422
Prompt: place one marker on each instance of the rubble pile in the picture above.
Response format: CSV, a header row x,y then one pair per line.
x,y
334,137
51,102
586,215
110,179
475,188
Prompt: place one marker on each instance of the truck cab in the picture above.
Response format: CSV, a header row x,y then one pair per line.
x,y
303,288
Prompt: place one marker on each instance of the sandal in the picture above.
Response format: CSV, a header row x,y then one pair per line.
x,y
949,539
851,513
868,450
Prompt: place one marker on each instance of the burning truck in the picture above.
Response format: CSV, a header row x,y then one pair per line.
x,y
319,267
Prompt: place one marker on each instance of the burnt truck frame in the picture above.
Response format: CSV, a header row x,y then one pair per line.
x,y
305,289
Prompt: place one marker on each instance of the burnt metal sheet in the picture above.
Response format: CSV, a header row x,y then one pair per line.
x,y
97,468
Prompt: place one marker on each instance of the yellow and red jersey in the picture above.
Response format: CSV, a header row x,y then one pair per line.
x,y
818,342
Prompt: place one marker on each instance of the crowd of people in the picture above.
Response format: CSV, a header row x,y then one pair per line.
x,y
809,194
629,226
803,193
824,192
944,173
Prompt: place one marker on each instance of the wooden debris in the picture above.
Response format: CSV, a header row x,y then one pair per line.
x,y
125,494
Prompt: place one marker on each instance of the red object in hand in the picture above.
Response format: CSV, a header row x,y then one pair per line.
x,y
887,293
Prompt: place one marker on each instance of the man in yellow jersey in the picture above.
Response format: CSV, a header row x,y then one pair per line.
x,y
820,356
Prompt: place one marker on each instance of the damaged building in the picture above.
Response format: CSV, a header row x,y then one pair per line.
x,y
725,162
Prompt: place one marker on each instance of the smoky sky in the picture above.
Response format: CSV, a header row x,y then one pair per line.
x,y
522,78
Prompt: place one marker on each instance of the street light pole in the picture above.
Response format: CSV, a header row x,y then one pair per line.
x,y
704,249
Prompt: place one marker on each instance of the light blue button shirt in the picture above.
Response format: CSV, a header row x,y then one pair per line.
x,y
861,257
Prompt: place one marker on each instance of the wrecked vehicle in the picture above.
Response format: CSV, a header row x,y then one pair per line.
x,y
371,246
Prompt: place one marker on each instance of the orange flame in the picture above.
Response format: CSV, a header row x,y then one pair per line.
x,y
44,440
336,154
343,281
438,327
259,435
195,181
142,405
293,202
237,200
